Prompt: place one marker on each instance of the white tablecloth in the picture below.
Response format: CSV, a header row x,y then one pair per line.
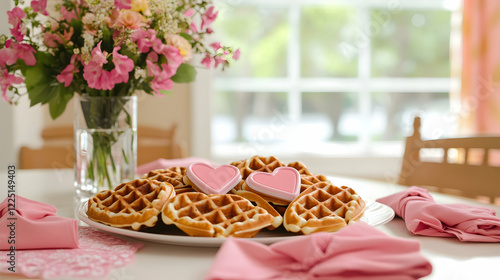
x,y
451,259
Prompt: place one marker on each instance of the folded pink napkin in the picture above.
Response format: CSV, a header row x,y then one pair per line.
x,y
423,216
34,225
167,163
358,251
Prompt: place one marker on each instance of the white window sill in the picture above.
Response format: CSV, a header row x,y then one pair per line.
x,y
380,162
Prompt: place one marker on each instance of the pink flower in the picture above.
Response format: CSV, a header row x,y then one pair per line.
x,y
174,59
171,53
209,30
215,46
67,15
123,4
15,18
53,40
153,68
14,51
25,52
189,13
130,19
193,27
39,6
207,61
7,54
123,66
143,39
236,54
97,77
208,17
66,75
6,81
98,56
161,80
93,72
219,60
161,83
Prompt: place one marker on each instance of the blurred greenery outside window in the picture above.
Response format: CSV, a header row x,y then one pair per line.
x,y
330,77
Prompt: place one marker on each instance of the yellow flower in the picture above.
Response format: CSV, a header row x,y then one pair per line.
x,y
180,43
140,6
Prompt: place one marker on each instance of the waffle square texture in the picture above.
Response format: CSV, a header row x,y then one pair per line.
x,y
173,176
221,215
323,207
257,163
133,205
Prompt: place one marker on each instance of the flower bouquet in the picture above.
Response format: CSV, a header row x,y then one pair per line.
x,y
105,49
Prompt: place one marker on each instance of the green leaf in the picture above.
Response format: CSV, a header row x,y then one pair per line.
x,y
36,76
185,74
107,40
41,94
37,83
186,36
59,101
165,92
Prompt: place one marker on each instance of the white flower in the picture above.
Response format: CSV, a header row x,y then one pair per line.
x,y
88,18
139,73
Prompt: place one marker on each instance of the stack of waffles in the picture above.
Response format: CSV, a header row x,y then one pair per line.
x,y
239,199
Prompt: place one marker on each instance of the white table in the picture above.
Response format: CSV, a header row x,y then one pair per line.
x,y
451,259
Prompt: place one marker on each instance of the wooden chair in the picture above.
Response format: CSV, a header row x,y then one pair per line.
x,y
58,151
463,168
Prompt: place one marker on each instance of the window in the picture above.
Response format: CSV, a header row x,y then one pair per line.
x,y
329,78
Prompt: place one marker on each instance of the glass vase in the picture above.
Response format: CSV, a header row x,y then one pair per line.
x,y
105,135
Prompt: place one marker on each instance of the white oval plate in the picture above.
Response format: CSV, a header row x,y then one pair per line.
x,y
375,214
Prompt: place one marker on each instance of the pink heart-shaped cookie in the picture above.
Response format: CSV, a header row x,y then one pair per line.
x,y
283,183
213,180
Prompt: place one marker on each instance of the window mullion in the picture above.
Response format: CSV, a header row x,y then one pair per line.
x,y
294,101
364,73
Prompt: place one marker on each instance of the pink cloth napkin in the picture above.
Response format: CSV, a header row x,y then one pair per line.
x,y
97,255
167,163
34,225
423,216
358,251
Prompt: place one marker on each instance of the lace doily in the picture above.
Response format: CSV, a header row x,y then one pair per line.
x,y
98,253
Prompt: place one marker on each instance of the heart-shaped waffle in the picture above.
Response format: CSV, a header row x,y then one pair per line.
x,y
219,215
172,175
323,207
133,205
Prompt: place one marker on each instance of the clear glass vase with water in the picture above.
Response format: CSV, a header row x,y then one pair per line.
x,y
105,135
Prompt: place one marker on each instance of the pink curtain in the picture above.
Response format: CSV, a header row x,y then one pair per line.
x,y
481,67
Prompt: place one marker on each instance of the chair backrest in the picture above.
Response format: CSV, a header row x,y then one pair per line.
x,y
464,166
58,152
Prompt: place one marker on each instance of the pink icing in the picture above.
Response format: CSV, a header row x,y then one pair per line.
x,y
283,183
213,180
